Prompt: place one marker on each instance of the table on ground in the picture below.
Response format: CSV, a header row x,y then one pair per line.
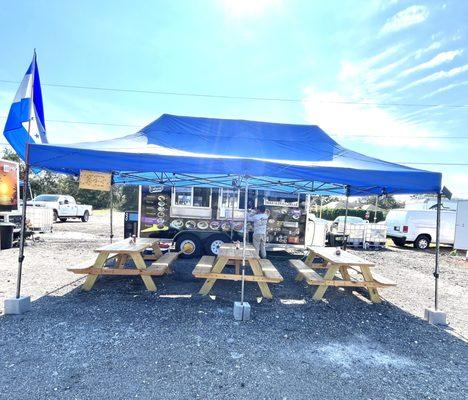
x,y
343,262
231,253
122,251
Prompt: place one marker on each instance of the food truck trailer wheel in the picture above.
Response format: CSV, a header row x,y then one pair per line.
x,y
213,242
189,245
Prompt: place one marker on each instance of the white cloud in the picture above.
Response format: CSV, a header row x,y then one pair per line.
x,y
436,76
440,58
356,120
445,89
433,46
403,19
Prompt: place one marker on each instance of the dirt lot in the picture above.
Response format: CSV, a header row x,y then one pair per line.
x,y
120,341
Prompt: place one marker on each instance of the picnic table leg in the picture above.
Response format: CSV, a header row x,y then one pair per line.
x,y
91,278
344,273
140,264
238,265
257,270
328,277
217,268
121,260
310,258
373,293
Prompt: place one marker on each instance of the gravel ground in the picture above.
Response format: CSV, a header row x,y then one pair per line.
x,y
120,342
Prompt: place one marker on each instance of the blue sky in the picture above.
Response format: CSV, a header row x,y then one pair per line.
x,y
322,53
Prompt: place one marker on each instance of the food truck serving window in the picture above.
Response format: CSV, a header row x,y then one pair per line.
x,y
192,197
279,198
238,197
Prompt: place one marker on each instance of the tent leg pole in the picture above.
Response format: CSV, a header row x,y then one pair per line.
x,y
435,316
23,224
320,215
111,203
376,205
345,239
437,254
232,212
244,240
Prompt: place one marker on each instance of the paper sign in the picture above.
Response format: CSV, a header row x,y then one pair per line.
x,y
95,180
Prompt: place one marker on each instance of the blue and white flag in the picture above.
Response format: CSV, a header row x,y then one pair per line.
x,y
25,123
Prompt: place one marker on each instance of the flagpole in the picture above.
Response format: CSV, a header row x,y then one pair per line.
x,y
25,185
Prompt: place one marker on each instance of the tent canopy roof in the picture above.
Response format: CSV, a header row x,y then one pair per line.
x,y
186,151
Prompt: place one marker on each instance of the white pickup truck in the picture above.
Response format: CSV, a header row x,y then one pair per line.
x,y
64,207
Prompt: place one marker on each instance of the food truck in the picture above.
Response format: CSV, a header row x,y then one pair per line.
x,y
199,219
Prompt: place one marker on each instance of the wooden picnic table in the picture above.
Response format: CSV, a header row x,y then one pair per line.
x,y
122,251
354,271
211,268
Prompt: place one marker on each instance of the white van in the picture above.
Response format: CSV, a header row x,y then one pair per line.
x,y
419,227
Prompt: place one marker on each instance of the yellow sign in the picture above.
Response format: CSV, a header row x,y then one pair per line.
x,y
95,180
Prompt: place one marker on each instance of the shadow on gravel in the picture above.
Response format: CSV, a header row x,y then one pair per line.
x,y
120,341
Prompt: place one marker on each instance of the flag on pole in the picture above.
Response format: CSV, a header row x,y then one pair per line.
x,y
25,122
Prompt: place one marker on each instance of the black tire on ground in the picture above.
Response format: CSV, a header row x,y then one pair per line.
x,y
85,216
399,242
422,242
55,215
189,245
63,219
212,243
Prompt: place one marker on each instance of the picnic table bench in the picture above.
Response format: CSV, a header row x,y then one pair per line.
x,y
354,271
211,269
121,252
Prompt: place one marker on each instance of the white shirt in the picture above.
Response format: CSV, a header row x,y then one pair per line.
x,y
260,223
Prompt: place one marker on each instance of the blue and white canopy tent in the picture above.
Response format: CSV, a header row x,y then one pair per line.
x,y
192,151
183,151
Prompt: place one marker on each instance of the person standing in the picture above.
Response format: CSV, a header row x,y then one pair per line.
x,y
260,223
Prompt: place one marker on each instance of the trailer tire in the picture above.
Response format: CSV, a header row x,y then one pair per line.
x,y
85,216
189,246
213,242
422,242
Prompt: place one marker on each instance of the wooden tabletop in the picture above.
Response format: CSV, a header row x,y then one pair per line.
x,y
329,254
124,246
229,250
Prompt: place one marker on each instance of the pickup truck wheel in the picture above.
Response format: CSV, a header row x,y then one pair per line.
x,y
55,215
63,220
85,216
189,245
422,242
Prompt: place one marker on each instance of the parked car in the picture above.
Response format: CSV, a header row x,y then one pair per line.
x,y
63,206
419,227
349,220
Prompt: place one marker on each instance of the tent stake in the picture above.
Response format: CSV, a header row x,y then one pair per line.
x,y
345,238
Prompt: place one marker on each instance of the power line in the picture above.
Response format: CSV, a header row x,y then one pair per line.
x,y
231,97
339,136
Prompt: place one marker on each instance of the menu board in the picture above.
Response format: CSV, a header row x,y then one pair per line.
x,y
9,185
95,180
